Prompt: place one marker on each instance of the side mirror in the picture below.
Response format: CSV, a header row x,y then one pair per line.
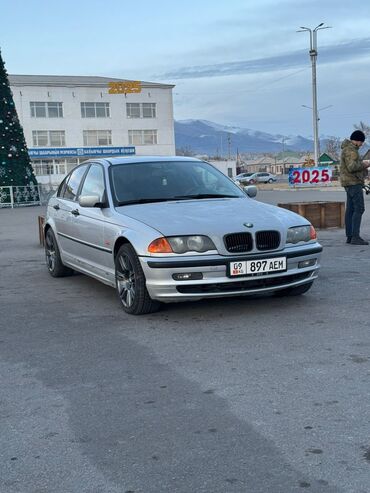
x,y
89,200
251,191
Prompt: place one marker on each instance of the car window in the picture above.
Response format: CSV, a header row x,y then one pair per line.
x,y
74,182
164,180
94,182
62,187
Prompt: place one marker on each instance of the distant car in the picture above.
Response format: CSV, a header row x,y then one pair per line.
x,y
260,177
166,229
243,177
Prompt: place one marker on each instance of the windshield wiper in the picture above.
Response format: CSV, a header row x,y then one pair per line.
x,y
143,201
176,197
205,196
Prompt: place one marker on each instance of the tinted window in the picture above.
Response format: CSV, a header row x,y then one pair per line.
x,y
94,182
73,183
169,180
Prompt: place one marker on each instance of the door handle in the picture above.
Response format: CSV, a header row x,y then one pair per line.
x,y
56,207
75,212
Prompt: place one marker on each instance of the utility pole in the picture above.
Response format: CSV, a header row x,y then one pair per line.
x,y
318,119
313,56
229,145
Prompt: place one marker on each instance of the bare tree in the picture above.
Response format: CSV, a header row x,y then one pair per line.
x,y
332,147
185,151
364,128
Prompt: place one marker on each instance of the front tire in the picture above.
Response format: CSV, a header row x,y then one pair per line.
x,y
53,260
131,285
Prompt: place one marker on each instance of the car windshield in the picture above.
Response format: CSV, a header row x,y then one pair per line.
x,y
161,181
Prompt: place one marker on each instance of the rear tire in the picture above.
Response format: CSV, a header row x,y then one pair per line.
x,y
295,290
131,283
54,262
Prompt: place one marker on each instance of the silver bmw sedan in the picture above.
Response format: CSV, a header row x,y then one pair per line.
x,y
168,229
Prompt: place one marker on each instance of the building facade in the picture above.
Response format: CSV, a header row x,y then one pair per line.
x,y
68,119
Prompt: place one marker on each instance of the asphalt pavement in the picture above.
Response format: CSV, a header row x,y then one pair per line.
x,y
223,396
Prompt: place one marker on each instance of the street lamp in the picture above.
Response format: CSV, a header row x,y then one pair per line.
x,y
313,56
318,119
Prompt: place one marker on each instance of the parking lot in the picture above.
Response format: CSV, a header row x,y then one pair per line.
x,y
238,395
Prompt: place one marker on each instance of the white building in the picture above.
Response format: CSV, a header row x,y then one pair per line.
x,y
68,119
227,167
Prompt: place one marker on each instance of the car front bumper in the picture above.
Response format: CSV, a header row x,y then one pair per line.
x,y
216,283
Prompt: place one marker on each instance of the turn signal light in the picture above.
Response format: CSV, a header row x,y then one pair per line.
x,y
160,245
313,234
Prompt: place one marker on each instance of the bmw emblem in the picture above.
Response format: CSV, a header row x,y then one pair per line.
x,y
248,225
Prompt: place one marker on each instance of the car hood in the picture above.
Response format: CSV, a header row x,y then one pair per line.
x,y
212,216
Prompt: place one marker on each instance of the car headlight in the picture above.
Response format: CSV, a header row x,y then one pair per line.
x,y
182,244
301,233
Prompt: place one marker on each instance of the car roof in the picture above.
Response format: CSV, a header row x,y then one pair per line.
x,y
144,159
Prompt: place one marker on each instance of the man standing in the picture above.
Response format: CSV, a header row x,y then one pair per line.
x,y
352,177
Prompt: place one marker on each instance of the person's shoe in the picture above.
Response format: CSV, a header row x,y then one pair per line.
x,y
349,238
358,241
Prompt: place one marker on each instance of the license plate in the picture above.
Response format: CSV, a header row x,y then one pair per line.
x,y
262,266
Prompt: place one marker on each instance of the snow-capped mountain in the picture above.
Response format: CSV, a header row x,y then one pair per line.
x,y
205,137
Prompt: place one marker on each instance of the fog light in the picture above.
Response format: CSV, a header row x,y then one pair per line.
x,y
306,263
187,276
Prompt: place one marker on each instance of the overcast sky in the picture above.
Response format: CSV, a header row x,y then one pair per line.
x,y
235,62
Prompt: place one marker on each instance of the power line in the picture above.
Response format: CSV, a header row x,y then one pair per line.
x,y
241,90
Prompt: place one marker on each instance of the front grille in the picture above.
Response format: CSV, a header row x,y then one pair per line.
x,y
239,242
267,240
224,287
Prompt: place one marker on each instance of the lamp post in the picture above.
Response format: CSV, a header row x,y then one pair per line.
x,y
313,56
318,119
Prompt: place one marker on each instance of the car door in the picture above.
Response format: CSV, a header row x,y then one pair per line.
x,y
90,251
262,177
66,208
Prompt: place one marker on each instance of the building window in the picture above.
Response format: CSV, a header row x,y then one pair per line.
x,y
40,109
57,138
97,137
95,110
44,167
142,137
40,138
149,110
49,138
141,110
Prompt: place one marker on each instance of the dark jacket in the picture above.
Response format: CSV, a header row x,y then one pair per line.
x,y
352,170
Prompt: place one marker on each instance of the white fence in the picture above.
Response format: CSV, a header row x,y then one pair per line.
x,y
22,196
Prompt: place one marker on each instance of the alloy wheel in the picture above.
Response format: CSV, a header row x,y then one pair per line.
x,y
125,277
50,252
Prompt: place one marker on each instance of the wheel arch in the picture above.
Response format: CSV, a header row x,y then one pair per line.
x,y
46,228
122,240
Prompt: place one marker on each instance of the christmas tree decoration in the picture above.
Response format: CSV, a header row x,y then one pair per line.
x,y
15,165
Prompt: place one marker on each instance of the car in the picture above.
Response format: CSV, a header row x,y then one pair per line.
x,y
169,229
261,177
241,177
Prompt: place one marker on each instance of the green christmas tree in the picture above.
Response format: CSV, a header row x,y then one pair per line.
x,y
15,165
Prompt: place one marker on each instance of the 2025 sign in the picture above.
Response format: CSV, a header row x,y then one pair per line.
x,y
299,177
